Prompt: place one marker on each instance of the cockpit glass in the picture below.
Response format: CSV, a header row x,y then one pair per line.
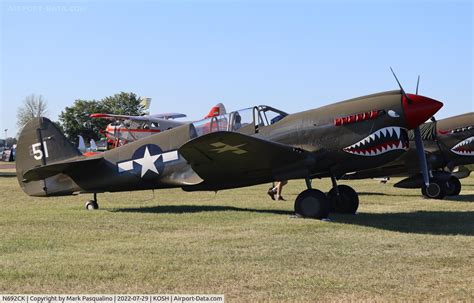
x,y
270,115
211,125
242,120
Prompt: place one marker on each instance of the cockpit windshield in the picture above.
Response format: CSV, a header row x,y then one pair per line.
x,y
269,115
247,120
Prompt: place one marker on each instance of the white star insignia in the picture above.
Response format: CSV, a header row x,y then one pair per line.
x,y
148,162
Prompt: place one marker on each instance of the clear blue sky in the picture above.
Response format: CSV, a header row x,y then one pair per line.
x,y
189,55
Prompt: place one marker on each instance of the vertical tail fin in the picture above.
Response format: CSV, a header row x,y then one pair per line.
x,y
40,143
93,147
217,110
82,145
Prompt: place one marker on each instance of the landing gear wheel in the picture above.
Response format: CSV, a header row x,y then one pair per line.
x,y
347,202
453,186
92,205
312,203
436,189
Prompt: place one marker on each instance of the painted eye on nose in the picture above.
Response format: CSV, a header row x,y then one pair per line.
x,y
393,114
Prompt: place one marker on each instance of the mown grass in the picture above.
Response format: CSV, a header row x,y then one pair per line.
x,y
239,243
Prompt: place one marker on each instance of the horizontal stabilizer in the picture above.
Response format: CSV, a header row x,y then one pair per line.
x,y
49,170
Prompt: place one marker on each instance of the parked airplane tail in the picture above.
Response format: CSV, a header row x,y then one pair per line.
x,y
93,146
82,145
217,110
40,144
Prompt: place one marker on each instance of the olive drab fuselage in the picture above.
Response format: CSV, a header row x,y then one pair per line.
x,y
336,139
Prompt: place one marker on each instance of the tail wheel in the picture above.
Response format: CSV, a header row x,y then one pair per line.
x,y
312,203
92,205
453,186
347,202
436,189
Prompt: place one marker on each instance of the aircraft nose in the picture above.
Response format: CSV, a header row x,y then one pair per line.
x,y
418,109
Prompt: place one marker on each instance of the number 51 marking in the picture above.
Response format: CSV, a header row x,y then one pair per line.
x,y
37,152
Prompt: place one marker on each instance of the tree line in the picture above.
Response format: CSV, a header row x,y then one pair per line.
x,y
75,120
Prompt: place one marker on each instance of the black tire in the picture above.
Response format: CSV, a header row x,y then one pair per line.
x,y
347,202
92,205
312,203
436,190
453,186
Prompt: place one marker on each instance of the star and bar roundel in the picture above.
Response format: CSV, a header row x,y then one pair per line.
x,y
147,161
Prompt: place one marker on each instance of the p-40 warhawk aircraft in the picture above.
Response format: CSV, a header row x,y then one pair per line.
x,y
449,145
243,148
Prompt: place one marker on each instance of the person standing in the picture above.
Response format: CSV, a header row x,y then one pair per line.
x,y
275,191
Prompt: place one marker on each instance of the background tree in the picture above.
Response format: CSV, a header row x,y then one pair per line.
x,y
33,106
75,120
123,104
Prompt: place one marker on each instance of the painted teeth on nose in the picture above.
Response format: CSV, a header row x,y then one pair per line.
x,y
400,145
397,131
377,135
390,131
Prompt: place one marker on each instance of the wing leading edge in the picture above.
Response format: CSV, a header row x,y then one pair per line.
x,y
146,118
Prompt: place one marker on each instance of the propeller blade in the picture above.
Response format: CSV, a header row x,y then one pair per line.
x,y
401,88
420,150
417,84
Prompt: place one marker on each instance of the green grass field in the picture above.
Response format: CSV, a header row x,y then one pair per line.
x,y
241,244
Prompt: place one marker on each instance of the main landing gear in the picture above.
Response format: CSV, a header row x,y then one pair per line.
x,y
92,204
344,202
453,186
344,199
439,188
435,190
442,185
313,203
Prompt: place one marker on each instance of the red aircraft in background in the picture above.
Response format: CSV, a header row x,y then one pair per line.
x,y
125,129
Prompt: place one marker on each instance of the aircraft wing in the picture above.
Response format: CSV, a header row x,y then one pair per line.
x,y
49,170
112,117
226,157
153,118
167,116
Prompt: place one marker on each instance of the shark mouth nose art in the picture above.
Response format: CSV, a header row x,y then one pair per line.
x,y
380,142
465,147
